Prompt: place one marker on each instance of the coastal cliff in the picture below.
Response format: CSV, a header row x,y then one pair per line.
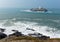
x,y
28,39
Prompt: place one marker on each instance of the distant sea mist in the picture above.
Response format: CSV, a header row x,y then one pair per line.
x,y
46,23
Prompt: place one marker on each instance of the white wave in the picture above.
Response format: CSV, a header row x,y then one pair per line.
x,y
37,11
26,10
57,20
21,26
14,19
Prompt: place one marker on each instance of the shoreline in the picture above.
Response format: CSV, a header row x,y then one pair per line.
x,y
28,39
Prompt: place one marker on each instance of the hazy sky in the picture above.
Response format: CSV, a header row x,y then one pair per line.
x,y
29,3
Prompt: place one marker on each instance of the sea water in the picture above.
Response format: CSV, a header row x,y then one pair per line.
x,y
46,23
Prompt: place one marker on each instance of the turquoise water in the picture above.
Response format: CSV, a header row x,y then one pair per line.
x,y
48,22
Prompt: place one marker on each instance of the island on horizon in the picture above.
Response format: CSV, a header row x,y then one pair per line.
x,y
40,9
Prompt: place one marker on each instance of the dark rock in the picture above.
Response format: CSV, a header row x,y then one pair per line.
x,y
15,30
40,36
44,37
2,30
16,33
35,35
2,35
30,29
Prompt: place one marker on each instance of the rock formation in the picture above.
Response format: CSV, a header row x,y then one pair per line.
x,y
39,9
16,33
2,35
38,35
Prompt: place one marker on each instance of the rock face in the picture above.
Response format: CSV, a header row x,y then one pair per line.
x,y
39,9
2,35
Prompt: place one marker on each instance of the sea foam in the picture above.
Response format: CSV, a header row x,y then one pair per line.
x,y
37,11
21,26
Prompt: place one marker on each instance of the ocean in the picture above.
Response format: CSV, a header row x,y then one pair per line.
x,y
46,23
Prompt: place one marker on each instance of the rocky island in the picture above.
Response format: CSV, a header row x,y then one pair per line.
x,y
39,9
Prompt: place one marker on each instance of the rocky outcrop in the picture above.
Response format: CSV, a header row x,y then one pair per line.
x,y
2,35
39,9
38,35
2,30
16,33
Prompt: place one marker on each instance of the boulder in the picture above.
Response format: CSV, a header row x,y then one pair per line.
x,y
16,33
2,30
2,35
44,37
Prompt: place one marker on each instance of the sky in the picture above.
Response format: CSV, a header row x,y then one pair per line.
x,y
29,3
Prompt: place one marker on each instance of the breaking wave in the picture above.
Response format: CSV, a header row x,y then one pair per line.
x,y
36,11
21,26
26,10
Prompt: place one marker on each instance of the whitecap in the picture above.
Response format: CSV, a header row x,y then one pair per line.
x,y
21,26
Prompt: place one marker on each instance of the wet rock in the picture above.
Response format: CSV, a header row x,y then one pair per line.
x,y
35,35
38,35
2,30
30,29
16,33
44,37
2,35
